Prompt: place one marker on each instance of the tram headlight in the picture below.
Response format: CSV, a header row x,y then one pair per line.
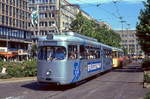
x,y
48,73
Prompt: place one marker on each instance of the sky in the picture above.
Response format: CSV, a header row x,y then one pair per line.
x,y
110,10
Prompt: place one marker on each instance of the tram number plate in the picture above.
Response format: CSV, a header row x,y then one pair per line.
x,y
94,66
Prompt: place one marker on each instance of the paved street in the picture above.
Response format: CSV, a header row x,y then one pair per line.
x,y
117,84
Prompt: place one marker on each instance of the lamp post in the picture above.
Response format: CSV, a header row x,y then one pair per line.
x,y
7,44
122,22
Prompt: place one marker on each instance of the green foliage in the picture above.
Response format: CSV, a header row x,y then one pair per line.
x,y
90,28
1,64
30,68
147,78
146,64
17,69
143,28
34,50
147,96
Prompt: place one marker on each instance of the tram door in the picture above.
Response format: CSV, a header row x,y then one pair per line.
x,y
83,61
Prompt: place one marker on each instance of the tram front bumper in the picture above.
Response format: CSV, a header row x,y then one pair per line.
x,y
57,80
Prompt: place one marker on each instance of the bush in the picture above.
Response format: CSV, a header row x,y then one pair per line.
x,y
147,96
146,64
1,65
146,78
15,70
18,69
30,68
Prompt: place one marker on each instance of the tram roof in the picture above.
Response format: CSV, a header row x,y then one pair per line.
x,y
67,36
117,49
73,37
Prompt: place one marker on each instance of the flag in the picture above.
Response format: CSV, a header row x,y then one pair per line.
x,y
35,16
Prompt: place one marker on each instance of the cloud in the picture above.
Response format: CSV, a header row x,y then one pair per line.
x,y
102,1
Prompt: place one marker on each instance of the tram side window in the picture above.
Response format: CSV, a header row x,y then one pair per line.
x,y
105,52
72,52
92,52
108,53
82,52
97,53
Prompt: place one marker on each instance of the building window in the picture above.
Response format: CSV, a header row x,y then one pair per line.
x,y
3,8
10,21
52,1
6,9
51,23
0,19
52,7
10,11
3,20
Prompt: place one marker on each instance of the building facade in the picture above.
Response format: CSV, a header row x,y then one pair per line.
x,y
14,35
130,42
54,16
105,25
68,13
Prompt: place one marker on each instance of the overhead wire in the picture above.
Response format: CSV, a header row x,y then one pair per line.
x,y
117,9
122,20
118,16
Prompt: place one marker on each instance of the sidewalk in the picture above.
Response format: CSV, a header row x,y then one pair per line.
x,y
14,80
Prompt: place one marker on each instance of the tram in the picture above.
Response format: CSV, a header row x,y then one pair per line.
x,y
71,57
117,57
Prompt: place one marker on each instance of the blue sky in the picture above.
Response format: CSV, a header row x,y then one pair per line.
x,y
109,12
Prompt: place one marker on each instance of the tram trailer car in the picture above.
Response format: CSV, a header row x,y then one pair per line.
x,y
70,57
118,57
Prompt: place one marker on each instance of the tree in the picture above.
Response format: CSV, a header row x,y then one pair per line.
x,y
34,50
143,28
90,28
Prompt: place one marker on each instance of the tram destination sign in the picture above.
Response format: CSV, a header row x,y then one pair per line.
x,y
48,43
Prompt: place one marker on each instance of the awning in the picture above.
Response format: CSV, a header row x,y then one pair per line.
x,y
8,54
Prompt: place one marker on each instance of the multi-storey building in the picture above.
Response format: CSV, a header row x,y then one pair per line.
x,y
85,14
130,42
105,24
54,15
68,13
14,36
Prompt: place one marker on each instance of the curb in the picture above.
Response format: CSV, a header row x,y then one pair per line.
x,y
15,80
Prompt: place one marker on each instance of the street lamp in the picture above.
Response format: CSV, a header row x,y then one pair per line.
x,y
122,22
7,44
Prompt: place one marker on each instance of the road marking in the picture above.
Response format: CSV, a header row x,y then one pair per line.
x,y
13,97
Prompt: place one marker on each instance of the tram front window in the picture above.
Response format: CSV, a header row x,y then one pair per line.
x,y
52,53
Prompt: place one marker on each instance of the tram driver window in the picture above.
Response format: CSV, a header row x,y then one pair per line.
x,y
56,53
72,52
52,53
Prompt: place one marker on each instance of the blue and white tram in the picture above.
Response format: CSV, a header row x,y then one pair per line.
x,y
70,57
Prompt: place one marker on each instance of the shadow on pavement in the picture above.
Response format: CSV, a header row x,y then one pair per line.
x,y
54,87
47,87
129,68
